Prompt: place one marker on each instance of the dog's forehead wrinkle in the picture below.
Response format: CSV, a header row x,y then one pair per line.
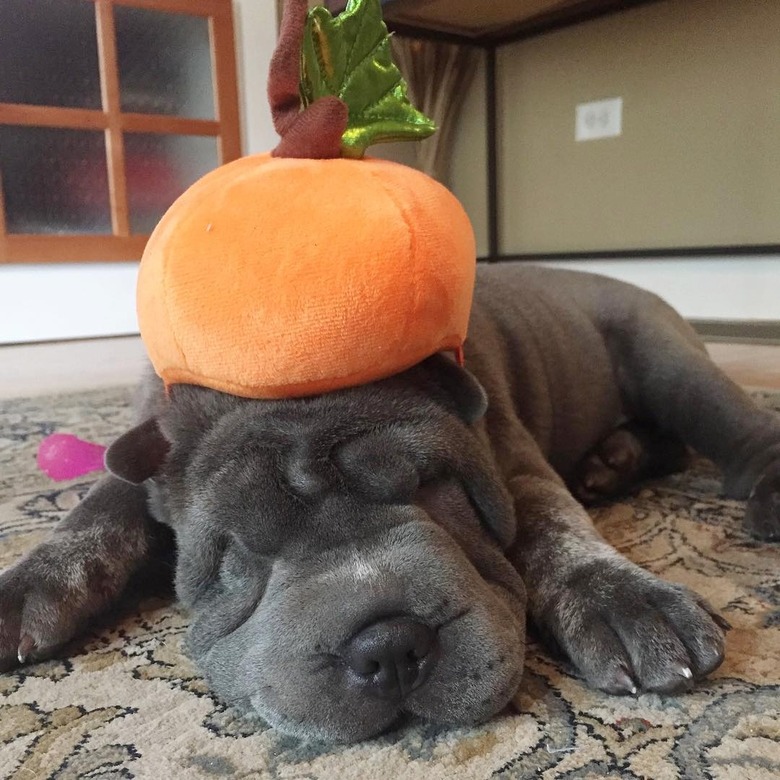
x,y
297,438
191,412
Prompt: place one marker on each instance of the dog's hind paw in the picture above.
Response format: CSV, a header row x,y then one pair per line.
x,y
609,470
628,632
762,516
629,454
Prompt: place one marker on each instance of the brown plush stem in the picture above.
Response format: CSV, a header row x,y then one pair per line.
x,y
284,74
315,132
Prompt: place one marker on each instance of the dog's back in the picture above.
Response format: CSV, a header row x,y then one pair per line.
x,y
538,342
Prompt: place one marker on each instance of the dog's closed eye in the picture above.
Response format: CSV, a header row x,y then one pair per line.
x,y
374,470
389,465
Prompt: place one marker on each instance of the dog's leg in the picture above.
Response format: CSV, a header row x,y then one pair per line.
x,y
667,378
625,629
628,455
80,571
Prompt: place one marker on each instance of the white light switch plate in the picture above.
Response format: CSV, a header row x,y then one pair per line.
x,y
599,119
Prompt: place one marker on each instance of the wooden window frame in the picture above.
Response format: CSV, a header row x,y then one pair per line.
x,y
121,244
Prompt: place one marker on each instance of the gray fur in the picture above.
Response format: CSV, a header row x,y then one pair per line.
x,y
298,523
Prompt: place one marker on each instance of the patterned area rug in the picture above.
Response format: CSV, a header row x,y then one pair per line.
x,y
124,701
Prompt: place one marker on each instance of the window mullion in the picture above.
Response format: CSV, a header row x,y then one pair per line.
x,y
109,86
2,223
223,64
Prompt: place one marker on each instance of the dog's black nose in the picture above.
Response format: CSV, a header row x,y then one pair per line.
x,y
391,658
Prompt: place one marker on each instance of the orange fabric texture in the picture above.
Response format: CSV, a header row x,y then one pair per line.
x,y
274,277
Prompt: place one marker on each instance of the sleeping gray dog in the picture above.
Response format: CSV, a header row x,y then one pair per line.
x,y
369,554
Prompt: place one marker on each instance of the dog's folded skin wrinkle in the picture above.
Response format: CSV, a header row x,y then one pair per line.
x,y
407,527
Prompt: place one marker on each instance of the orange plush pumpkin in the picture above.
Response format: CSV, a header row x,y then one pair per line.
x,y
280,275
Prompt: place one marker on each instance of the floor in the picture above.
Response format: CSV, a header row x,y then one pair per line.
x,y
69,366
752,365
38,369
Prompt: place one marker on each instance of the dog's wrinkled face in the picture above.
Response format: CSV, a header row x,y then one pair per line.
x,y
305,638
337,584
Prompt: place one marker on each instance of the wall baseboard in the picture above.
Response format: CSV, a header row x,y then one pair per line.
x,y
741,331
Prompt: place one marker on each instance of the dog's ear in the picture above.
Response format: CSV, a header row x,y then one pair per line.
x,y
138,454
459,386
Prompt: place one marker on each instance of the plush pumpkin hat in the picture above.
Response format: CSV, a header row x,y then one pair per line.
x,y
312,268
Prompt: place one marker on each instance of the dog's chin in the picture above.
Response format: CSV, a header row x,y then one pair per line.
x,y
417,710
340,732
334,732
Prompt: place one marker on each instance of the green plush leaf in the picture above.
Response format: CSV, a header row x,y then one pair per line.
x,y
349,57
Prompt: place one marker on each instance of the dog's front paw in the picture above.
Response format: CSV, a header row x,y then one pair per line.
x,y
45,599
628,631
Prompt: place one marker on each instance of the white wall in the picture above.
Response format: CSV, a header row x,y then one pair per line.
x,y
714,288
56,301
727,288
468,172
255,40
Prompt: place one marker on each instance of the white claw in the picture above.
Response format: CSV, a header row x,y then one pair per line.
x,y
26,646
633,690
686,672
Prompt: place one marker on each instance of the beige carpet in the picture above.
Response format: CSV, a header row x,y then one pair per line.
x,y
124,702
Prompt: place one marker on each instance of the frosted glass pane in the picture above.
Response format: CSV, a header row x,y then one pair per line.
x,y
159,168
48,53
54,181
164,63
